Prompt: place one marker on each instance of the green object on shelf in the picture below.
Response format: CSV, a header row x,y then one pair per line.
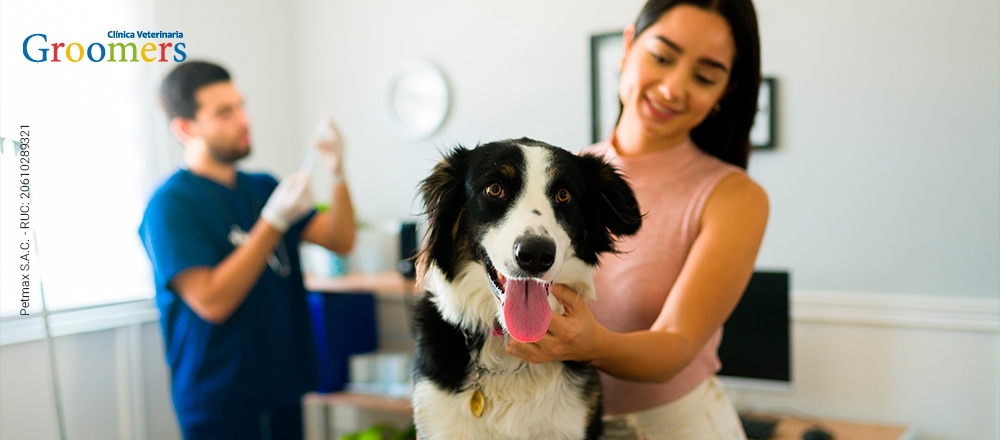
x,y
383,431
409,434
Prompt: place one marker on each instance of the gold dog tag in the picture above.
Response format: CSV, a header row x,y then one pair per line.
x,y
477,403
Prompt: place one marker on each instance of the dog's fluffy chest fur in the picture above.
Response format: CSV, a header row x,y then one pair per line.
x,y
522,400
458,354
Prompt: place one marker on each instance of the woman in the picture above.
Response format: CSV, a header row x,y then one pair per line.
x,y
688,88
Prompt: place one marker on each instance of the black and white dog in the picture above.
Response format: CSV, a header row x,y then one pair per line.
x,y
506,220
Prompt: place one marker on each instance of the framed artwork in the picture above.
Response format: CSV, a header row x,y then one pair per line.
x,y
605,65
762,132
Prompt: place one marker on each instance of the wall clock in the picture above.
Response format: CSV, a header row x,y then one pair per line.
x,y
416,99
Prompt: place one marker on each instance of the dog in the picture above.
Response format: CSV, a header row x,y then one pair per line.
x,y
506,220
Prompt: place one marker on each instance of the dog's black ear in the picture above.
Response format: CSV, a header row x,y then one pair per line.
x,y
611,208
444,200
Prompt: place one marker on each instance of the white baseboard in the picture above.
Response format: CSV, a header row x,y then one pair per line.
x,y
897,310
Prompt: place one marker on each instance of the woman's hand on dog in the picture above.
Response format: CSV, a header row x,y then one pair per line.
x,y
573,336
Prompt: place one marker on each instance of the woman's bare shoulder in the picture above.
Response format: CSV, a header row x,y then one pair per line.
x,y
737,197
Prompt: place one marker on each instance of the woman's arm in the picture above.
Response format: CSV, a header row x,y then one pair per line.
x,y
707,290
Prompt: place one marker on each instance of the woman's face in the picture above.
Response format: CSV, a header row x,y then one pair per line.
x,y
675,72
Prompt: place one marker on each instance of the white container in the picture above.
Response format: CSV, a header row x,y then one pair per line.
x,y
386,373
376,249
362,368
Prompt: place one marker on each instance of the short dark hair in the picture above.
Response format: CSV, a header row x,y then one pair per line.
x,y
725,134
178,88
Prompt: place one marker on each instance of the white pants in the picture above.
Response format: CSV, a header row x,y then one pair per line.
x,y
705,413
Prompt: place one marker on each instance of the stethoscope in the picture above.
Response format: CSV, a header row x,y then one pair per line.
x,y
237,236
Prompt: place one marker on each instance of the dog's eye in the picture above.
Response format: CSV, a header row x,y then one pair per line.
x,y
494,190
563,196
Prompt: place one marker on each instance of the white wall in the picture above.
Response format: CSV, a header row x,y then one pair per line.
x,y
113,384
888,174
24,374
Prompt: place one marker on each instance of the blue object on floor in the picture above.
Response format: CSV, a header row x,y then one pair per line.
x,y
343,324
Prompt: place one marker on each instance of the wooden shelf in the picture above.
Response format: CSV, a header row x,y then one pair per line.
x,y
366,401
381,283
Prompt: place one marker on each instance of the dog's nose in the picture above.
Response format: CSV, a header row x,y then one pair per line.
x,y
535,254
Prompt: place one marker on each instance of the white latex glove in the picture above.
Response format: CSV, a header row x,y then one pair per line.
x,y
289,202
330,147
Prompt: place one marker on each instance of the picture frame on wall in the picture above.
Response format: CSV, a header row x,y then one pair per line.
x,y
605,64
762,132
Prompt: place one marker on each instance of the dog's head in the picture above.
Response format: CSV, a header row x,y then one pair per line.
x,y
509,218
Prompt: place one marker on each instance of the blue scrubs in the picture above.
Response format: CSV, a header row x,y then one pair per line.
x,y
252,368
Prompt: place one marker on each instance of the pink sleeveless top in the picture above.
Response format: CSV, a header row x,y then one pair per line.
x,y
671,186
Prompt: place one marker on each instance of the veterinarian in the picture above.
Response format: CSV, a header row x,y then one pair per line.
x,y
224,247
688,88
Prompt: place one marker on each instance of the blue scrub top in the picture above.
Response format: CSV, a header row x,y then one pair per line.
x,y
264,355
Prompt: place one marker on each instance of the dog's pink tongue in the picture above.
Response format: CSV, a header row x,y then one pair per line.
x,y
526,309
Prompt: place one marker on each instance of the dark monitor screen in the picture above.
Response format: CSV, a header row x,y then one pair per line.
x,y
756,347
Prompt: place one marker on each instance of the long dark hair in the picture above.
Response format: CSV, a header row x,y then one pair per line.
x,y
726,133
